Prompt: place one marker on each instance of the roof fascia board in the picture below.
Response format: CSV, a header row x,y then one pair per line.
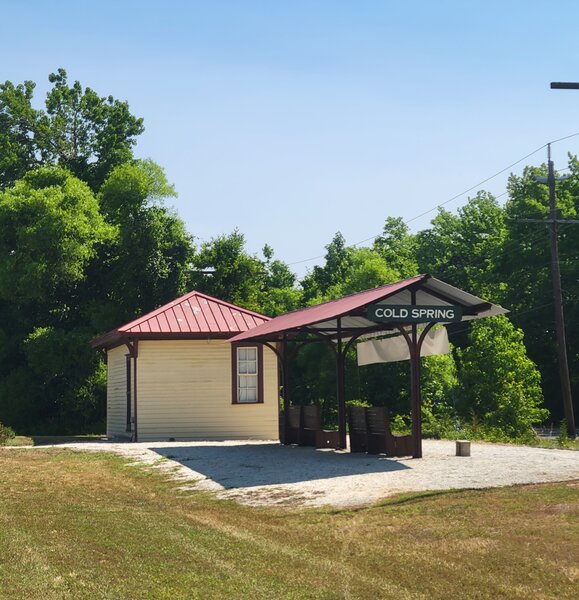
x,y
120,337
477,308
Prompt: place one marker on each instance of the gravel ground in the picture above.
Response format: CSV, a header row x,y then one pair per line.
x,y
267,473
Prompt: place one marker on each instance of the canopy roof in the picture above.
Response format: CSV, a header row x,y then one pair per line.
x,y
322,319
194,315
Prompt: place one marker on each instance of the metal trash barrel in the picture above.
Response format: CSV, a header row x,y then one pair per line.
x,y
462,447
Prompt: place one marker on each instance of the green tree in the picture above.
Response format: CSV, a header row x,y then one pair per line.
x,y
222,268
279,292
397,246
347,270
148,264
464,249
500,385
440,387
526,267
69,381
367,269
71,269
18,123
78,129
383,384
319,282
87,244
51,228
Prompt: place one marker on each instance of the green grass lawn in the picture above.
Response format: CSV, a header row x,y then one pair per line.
x,y
554,443
46,440
81,525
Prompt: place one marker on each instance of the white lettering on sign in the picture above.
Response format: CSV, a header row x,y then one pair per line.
x,y
414,314
432,314
392,313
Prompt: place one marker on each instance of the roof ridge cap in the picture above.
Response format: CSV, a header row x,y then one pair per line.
x,y
179,300
154,312
230,305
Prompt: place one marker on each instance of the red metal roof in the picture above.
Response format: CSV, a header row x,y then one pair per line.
x,y
192,315
328,310
323,317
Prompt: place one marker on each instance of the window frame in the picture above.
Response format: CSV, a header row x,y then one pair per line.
x,y
235,374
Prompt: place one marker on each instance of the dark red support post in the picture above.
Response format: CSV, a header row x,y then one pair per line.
x,y
415,409
286,392
341,387
414,345
135,420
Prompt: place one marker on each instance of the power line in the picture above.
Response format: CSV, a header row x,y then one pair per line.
x,y
478,185
536,236
297,262
529,237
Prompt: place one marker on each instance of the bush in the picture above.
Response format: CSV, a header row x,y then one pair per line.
x,y
439,389
6,433
401,424
563,439
358,403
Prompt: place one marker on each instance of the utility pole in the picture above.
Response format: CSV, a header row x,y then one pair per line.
x,y
558,299
558,295
567,399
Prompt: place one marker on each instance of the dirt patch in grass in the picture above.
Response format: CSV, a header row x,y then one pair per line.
x,y
85,525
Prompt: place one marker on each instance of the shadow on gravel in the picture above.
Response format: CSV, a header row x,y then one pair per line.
x,y
271,463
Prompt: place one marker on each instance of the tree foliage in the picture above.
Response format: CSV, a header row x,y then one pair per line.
x,y
78,129
501,387
397,247
51,228
322,282
53,231
223,268
526,265
148,263
440,393
464,249
279,292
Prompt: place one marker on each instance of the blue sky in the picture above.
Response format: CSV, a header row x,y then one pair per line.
x,y
294,120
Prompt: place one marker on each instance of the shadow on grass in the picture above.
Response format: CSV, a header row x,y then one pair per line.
x,y
55,440
251,465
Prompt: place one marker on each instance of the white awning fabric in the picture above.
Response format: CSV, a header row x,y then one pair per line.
x,y
395,348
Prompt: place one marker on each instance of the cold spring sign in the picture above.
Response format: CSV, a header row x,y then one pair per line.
x,y
384,313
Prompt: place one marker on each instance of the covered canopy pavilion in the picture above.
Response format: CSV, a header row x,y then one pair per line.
x,y
411,307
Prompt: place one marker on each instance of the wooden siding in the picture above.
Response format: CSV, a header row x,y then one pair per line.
x,y
184,392
117,392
